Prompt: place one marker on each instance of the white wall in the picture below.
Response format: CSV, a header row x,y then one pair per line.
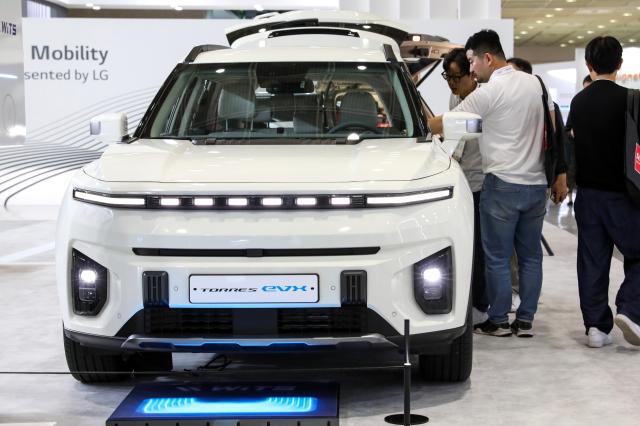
x,y
560,79
11,67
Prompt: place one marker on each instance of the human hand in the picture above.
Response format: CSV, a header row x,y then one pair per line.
x,y
559,190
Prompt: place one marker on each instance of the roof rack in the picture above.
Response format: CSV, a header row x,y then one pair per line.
x,y
200,49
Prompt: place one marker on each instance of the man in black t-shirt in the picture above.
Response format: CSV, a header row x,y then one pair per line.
x,y
604,212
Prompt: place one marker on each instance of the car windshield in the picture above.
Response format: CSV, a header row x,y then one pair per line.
x,y
290,102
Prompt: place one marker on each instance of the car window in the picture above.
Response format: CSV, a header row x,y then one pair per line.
x,y
296,101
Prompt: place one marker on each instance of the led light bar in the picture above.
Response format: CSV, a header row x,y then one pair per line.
x,y
237,202
169,202
272,201
271,405
258,202
306,201
108,200
203,202
340,201
403,199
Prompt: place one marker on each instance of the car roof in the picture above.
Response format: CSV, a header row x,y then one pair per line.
x,y
305,45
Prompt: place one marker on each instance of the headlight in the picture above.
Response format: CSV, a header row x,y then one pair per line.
x,y
88,284
261,202
433,282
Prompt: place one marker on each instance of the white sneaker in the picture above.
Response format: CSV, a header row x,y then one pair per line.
x,y
630,329
478,316
597,338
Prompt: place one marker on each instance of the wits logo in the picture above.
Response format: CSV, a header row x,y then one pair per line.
x,y
8,28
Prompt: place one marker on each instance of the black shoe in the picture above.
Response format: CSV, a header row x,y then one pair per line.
x,y
491,329
522,328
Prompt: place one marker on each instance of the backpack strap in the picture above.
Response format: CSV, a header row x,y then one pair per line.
x,y
545,95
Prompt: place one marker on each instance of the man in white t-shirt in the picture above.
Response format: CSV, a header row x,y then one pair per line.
x,y
461,82
513,198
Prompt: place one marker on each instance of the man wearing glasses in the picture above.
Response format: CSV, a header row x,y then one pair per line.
x,y
462,83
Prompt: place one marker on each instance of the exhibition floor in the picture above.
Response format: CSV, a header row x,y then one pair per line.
x,y
552,379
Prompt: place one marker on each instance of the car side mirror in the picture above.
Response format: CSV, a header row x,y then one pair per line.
x,y
459,126
109,128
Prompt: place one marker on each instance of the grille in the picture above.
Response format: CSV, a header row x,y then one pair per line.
x,y
319,322
156,288
353,288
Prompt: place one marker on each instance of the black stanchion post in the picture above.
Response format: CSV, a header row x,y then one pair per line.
x,y
407,418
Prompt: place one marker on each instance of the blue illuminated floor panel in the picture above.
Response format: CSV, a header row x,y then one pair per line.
x,y
228,404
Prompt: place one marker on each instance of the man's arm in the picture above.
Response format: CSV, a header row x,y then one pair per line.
x,y
477,102
435,125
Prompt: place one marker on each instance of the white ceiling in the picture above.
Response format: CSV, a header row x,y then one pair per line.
x,y
572,23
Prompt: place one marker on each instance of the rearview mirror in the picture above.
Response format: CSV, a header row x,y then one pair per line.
x,y
109,128
459,126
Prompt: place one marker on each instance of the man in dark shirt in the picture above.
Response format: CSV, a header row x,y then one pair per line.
x,y
604,212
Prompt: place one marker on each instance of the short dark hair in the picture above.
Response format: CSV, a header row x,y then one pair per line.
x,y
485,41
603,54
460,58
587,79
522,64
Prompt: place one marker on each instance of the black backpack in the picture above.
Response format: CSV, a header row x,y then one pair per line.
x,y
554,157
632,146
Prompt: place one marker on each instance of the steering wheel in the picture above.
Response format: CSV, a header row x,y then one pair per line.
x,y
354,125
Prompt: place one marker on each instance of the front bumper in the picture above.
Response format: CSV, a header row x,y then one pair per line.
x,y
405,236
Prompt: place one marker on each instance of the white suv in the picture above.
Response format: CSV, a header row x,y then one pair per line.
x,y
283,194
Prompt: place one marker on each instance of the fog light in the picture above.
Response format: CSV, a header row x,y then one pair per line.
x,y
88,284
433,282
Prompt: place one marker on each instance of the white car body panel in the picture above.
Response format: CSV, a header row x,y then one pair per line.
x,y
155,166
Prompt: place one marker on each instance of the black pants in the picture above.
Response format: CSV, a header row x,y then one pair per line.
x,y
606,218
478,283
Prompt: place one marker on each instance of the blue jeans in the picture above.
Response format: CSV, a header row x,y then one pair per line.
x,y
511,215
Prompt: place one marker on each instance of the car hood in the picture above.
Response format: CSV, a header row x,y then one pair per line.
x,y
166,160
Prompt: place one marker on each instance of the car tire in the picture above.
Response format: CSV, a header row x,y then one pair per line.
x,y
454,366
89,365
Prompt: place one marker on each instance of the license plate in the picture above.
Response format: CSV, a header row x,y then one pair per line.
x,y
295,288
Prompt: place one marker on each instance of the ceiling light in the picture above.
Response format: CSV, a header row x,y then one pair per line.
x,y
632,40
570,41
580,37
539,22
548,15
590,32
416,38
531,28
517,37
626,14
621,44
259,7
89,4
558,9
601,26
523,32
178,8
563,45
571,1
613,21
96,8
